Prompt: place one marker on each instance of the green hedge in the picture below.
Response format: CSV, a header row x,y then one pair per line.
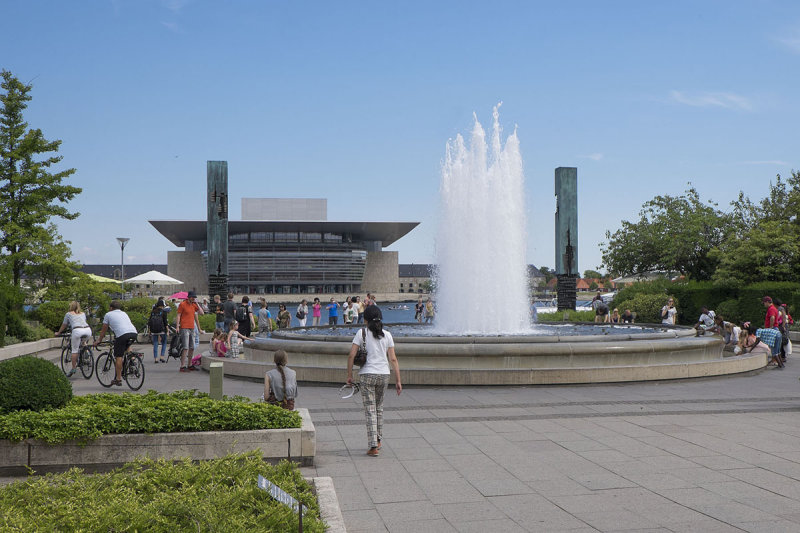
x,y
733,303
29,383
51,314
159,496
572,316
88,417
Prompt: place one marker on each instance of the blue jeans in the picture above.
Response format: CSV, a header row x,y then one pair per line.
x,y
163,337
220,325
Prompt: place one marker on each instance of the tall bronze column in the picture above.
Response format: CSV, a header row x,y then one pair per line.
x,y
217,228
566,235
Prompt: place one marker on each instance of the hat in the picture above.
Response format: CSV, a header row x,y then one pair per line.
x,y
766,299
373,312
192,294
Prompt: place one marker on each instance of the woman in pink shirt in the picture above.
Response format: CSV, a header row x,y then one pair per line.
x,y
316,312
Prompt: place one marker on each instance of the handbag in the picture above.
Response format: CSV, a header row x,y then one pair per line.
x,y
300,314
361,355
286,403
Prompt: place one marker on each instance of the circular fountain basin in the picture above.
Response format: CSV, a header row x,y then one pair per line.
x,y
607,354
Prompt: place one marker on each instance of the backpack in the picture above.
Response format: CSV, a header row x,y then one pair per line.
x,y
241,313
156,322
175,346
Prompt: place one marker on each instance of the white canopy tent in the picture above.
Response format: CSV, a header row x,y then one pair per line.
x,y
153,277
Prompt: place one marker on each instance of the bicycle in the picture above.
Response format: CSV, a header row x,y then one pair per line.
x,y
132,367
85,355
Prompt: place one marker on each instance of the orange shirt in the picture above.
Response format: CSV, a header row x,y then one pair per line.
x,y
186,313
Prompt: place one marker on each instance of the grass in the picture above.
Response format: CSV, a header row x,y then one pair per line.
x,y
159,496
85,418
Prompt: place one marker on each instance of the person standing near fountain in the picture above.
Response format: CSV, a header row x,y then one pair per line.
x,y
333,312
316,310
418,308
302,313
374,375
669,313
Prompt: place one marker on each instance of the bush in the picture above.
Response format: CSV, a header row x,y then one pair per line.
x,y
729,310
159,496
138,319
51,314
572,316
207,322
647,307
30,383
106,414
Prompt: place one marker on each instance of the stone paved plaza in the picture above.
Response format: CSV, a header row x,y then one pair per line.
x,y
718,454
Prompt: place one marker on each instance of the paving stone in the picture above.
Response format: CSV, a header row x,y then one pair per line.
x,y
417,510
446,487
482,526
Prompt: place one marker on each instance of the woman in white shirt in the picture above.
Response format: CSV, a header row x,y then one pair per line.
x,y
76,320
374,375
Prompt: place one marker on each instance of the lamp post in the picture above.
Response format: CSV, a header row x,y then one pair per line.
x,y
122,242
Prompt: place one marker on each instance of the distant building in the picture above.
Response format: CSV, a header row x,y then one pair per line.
x,y
415,277
287,246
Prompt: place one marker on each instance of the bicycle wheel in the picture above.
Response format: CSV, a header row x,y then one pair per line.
x,y
134,372
86,362
66,359
104,368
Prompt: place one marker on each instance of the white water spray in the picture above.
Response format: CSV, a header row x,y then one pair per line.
x,y
482,281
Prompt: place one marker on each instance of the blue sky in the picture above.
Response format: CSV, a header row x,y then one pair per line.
x,y
355,102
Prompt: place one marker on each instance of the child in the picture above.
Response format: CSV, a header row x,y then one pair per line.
x,y
235,340
218,346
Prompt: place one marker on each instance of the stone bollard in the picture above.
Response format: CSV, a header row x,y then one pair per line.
x,y
215,380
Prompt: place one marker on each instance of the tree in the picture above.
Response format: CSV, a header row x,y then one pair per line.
x,y
548,274
673,234
30,194
769,251
592,274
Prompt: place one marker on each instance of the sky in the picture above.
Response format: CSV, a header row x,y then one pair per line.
x,y
356,101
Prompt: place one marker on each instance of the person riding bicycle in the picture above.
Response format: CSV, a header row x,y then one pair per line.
x,y
76,320
124,331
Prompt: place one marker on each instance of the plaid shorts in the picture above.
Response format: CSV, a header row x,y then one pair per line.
x,y
373,387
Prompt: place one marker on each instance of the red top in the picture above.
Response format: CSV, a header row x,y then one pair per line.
x,y
771,311
186,313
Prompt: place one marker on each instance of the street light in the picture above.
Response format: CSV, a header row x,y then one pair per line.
x,y
122,242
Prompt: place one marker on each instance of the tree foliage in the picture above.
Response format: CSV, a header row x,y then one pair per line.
x,y
30,193
673,234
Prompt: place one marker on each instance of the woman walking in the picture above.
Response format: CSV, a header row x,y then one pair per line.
x,y
374,374
302,313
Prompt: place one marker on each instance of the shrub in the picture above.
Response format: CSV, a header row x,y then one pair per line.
x,y
138,319
30,383
159,496
729,310
207,322
51,314
105,414
572,316
647,307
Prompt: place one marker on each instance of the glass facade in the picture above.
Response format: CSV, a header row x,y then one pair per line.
x,y
280,262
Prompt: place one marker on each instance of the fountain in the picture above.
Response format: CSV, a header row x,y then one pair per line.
x,y
483,333
482,282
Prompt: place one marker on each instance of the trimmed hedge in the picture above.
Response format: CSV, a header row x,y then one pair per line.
x,y
29,384
733,303
159,496
86,418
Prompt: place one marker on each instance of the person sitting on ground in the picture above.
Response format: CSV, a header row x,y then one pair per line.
x,y
627,317
125,334
615,318
705,322
235,340
280,383
76,320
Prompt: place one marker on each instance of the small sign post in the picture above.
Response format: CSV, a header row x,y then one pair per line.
x,y
283,497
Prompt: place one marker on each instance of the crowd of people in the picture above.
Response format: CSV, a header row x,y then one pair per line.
x,y
772,339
